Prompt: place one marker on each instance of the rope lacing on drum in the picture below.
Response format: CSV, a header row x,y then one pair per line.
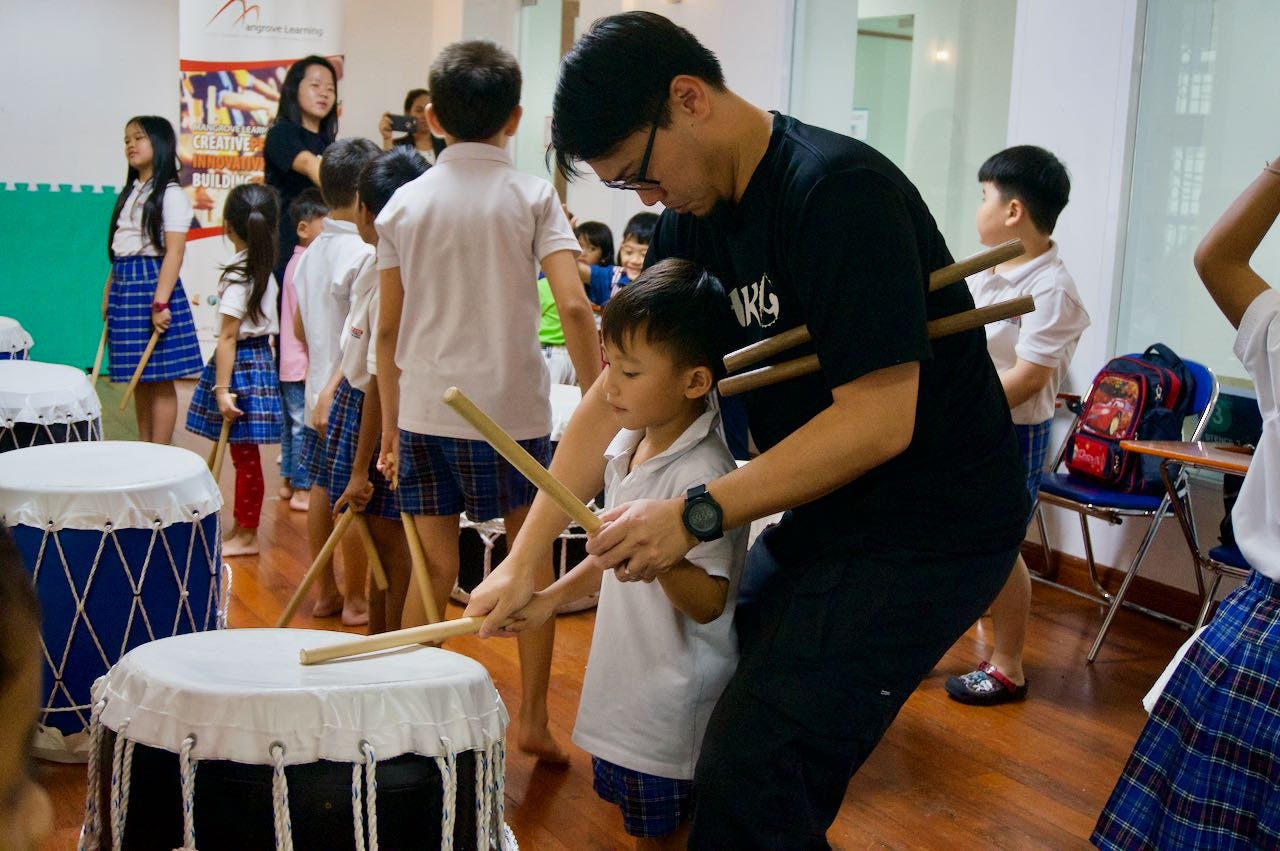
x,y
483,803
80,597
448,765
499,772
280,799
369,767
91,831
121,775
187,780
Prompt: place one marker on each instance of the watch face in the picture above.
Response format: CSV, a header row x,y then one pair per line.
x,y
703,517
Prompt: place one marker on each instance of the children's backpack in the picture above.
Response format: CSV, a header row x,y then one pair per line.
x,y
1144,397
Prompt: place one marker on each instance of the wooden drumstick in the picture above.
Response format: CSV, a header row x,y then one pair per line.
x,y
431,633
97,361
942,327
522,460
142,364
371,552
418,563
940,278
321,563
219,450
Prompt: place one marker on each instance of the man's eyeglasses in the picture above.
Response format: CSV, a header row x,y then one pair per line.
x,y
639,181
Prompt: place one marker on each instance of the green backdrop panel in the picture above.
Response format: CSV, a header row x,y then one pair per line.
x,y
53,248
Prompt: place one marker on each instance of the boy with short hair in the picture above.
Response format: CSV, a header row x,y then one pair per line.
x,y
603,282
661,653
307,212
1024,189
458,252
355,419
323,280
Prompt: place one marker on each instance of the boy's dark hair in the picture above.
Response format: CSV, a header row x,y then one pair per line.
x,y
413,95
475,86
640,227
677,305
21,610
384,175
308,205
1035,177
340,169
614,81
598,235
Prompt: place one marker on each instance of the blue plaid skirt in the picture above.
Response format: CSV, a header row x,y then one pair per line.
x,y
340,442
650,805
257,389
133,289
1205,772
1033,443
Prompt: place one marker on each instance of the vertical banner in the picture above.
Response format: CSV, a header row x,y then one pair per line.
x,y
233,58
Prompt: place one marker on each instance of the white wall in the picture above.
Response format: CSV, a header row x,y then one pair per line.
x,y
388,52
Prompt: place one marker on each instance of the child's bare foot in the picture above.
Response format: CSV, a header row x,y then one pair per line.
x,y
286,490
327,605
242,543
536,739
355,612
300,501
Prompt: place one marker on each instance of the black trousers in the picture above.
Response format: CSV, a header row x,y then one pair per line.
x,y
830,652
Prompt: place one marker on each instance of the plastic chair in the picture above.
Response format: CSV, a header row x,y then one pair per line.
x,y
1090,500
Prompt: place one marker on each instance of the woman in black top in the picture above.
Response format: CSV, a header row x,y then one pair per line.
x,y
305,124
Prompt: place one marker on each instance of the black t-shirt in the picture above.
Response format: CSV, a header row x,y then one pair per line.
x,y
830,234
285,140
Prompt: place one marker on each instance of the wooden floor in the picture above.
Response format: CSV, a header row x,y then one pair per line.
x,y
1029,775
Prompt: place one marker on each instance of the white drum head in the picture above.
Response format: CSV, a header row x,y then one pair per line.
x,y
13,337
240,690
45,393
88,485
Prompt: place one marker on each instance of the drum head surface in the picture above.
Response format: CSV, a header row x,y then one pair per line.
x,y
240,690
88,485
35,392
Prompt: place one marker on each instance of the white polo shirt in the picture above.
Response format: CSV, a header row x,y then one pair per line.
x,y
358,328
325,275
1256,516
233,301
468,237
654,674
1047,336
130,238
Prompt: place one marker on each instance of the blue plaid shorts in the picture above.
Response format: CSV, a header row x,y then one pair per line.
x,y
1204,771
340,441
133,289
449,475
257,389
651,805
314,458
1033,443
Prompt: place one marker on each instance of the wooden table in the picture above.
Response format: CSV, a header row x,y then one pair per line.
x,y
1224,458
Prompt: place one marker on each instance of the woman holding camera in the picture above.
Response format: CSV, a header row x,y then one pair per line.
x,y
413,124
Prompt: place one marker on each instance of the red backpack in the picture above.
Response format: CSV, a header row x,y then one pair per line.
x,y
1144,397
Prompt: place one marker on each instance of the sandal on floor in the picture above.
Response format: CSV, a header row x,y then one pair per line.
x,y
985,687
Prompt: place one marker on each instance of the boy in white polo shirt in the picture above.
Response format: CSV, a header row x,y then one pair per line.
x,y
323,281
458,254
662,652
1024,189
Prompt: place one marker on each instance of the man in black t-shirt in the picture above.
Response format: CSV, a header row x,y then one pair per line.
x,y
896,464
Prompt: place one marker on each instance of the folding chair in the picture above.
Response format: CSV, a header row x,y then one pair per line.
x,y
1090,500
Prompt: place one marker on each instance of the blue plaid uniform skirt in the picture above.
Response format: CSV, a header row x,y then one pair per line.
x,y
133,289
257,389
1033,443
340,443
651,805
449,475
314,458
1205,772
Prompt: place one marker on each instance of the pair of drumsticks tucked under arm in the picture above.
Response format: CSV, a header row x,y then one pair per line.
x,y
571,505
